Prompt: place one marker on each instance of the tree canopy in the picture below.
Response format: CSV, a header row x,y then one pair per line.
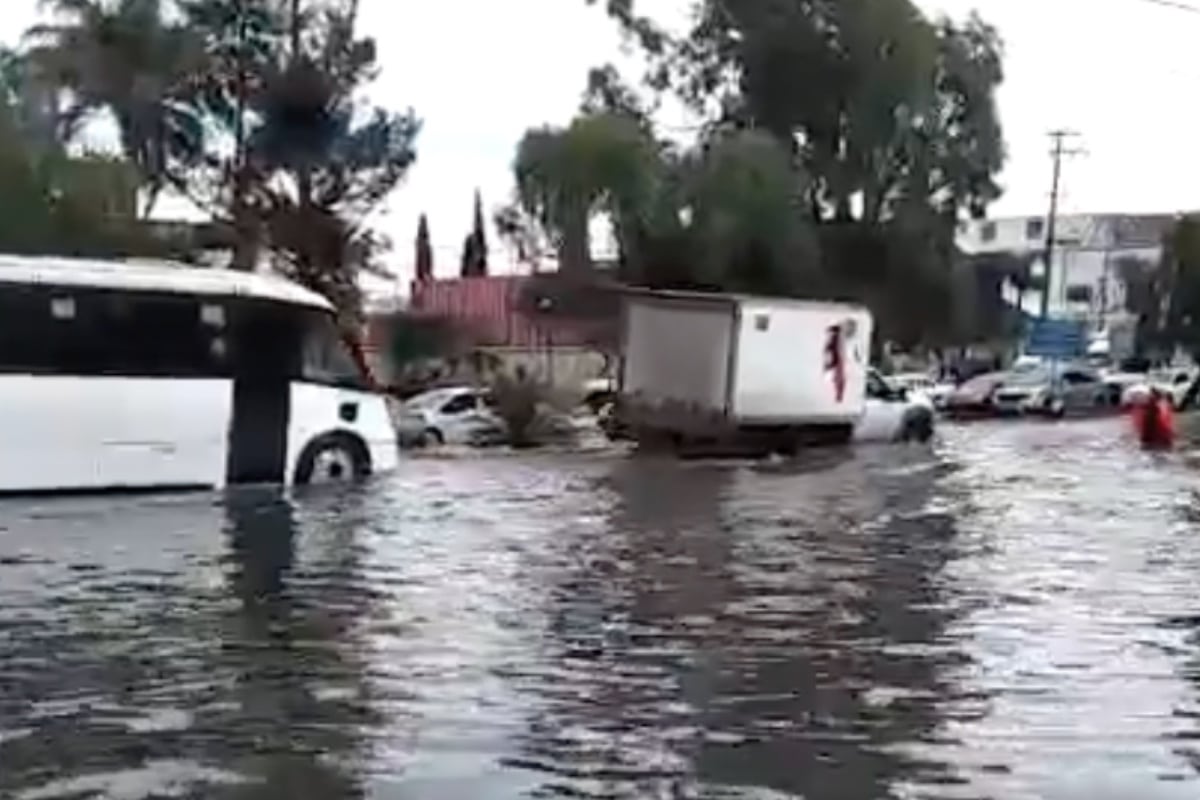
x,y
474,261
841,143
53,202
250,108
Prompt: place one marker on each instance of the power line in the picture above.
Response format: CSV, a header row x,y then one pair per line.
x,y
1174,5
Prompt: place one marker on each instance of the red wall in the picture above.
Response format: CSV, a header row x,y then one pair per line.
x,y
486,308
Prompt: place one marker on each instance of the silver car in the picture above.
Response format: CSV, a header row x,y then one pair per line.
x,y
1053,393
461,415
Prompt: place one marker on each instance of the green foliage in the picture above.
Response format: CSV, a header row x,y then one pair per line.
x,y
424,251
314,162
412,339
517,400
1146,289
600,163
1165,296
747,218
879,102
474,262
123,57
184,79
1181,278
55,204
884,131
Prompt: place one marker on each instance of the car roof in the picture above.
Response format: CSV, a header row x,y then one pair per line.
x,y
444,391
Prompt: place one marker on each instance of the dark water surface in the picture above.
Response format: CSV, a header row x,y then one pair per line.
x,y
1015,615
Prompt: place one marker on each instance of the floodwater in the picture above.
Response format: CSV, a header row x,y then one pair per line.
x,y
1013,614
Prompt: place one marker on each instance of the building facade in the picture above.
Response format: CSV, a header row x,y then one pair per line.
x,y
492,315
1091,255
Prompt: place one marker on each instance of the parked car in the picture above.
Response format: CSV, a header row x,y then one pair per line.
x,y
1046,391
1121,381
455,415
1172,381
975,397
922,384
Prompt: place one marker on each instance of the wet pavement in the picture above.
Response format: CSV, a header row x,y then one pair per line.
x,y
1012,615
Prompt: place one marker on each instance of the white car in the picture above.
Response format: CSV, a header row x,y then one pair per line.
x,y
459,415
922,385
893,414
1173,382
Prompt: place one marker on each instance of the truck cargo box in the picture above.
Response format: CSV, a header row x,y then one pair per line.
x,y
692,360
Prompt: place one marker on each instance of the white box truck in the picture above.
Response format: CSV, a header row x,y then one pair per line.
x,y
751,372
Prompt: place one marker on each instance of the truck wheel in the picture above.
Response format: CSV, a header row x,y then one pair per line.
x,y
837,435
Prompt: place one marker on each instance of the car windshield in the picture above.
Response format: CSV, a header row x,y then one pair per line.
x,y
424,402
1170,376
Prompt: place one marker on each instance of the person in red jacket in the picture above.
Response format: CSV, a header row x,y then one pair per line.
x,y
1154,419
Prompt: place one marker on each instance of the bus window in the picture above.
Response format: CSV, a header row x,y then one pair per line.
x,y
154,334
326,358
85,332
30,328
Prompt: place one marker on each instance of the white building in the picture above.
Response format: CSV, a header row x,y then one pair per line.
x,y
1091,253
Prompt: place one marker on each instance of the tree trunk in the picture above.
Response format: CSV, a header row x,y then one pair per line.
x,y
245,243
575,248
152,194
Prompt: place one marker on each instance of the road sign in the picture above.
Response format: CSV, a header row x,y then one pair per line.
x,y
1056,338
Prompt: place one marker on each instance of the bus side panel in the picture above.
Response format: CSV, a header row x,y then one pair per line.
x,y
317,410
60,431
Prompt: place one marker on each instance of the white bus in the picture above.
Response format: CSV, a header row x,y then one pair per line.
x,y
118,375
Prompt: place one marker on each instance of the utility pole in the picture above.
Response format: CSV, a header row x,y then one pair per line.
x,y
1059,138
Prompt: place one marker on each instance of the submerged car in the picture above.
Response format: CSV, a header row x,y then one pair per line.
x,y
460,415
894,413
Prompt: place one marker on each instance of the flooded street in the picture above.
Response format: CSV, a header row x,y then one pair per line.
x,y
1012,615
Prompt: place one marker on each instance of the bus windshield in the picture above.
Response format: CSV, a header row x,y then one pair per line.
x,y
326,356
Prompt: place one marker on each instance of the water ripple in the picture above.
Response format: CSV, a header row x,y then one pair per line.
x,y
1012,615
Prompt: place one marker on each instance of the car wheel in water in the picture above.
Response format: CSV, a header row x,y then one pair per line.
x,y
333,459
432,438
1056,408
917,426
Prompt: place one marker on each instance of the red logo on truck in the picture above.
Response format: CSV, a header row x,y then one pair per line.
x,y
835,360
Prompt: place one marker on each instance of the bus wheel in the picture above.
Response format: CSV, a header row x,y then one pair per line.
x,y
333,459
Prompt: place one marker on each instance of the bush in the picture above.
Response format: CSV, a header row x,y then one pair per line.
x,y
534,414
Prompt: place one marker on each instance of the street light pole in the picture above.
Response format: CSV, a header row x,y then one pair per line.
x,y
1059,151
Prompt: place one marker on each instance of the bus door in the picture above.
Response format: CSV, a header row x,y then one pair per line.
x,y
266,354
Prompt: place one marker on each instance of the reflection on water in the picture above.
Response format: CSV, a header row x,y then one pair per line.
x,y
180,647
1013,615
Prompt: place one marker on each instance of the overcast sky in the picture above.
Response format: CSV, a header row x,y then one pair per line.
x,y
479,72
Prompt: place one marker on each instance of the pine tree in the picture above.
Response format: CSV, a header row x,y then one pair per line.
x,y
480,233
424,256
475,248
